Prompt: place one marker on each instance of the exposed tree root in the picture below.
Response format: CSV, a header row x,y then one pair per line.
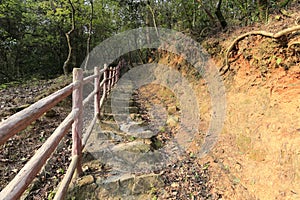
x,y
290,44
276,36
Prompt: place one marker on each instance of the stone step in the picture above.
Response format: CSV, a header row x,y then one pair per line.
x,y
131,109
108,125
124,90
136,146
121,102
137,130
126,185
115,136
135,157
112,117
120,95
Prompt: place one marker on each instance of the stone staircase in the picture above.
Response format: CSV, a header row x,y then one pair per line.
x,y
123,143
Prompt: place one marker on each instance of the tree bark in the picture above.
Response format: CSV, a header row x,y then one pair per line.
x,y
209,14
88,42
67,68
220,16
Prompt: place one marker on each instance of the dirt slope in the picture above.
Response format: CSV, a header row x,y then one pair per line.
x,y
258,153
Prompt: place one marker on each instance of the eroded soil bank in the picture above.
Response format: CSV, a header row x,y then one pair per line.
x,y
258,153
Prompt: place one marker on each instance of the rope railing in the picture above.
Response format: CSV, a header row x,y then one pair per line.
x,y
24,118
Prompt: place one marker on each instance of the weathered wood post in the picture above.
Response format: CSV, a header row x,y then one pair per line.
x,y
97,90
120,66
117,72
109,79
104,85
77,103
113,79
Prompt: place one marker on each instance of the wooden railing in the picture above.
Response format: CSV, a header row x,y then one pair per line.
x,y
24,118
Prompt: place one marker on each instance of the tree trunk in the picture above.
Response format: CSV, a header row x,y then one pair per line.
x,y
220,16
67,65
88,42
209,14
262,6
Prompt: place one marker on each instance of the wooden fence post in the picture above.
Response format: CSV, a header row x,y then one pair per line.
x,y
104,86
78,122
117,74
118,71
109,79
97,90
113,79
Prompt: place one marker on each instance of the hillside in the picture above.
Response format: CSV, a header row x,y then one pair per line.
x,y
257,155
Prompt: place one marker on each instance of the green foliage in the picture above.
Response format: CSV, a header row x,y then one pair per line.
x,y
278,61
131,138
32,32
3,86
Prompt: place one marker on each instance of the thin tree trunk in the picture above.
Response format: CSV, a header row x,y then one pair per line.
x,y
220,16
209,14
88,42
66,67
153,19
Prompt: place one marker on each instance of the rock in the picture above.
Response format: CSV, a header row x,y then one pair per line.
x,y
85,180
145,182
172,110
143,134
51,113
136,146
102,193
85,168
172,121
137,130
82,192
132,116
115,186
128,186
136,117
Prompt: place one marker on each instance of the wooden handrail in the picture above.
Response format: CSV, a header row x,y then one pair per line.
x,y
25,176
92,77
22,119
